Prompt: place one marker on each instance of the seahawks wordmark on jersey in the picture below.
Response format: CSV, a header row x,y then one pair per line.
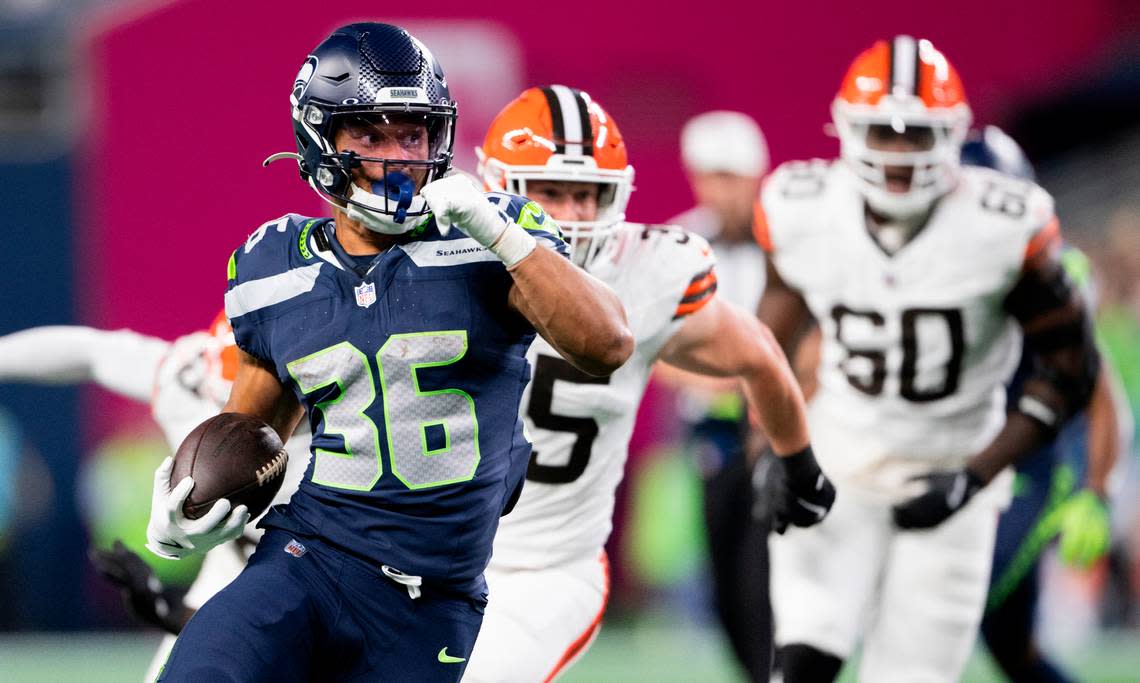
x,y
581,424
413,399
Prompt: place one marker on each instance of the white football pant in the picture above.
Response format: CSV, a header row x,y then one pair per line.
x,y
915,597
538,621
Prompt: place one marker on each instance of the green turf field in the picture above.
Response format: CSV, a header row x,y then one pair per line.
x,y
622,653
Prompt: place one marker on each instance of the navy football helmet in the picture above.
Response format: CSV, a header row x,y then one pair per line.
x,y
992,148
373,71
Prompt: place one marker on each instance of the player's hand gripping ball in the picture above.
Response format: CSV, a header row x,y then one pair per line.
x,y
227,470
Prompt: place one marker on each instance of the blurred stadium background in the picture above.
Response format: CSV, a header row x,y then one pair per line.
x,y
131,140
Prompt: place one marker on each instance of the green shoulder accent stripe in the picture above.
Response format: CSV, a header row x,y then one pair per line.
x,y
231,269
303,240
534,219
418,231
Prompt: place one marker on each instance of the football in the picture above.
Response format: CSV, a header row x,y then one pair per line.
x,y
233,456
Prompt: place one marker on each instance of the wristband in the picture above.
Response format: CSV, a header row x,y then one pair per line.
x,y
513,245
1036,410
801,464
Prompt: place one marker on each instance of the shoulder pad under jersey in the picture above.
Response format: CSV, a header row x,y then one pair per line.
x,y
274,264
273,248
791,199
673,264
532,218
1018,208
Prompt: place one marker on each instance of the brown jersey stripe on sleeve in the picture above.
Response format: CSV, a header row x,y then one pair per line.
x,y
693,306
700,282
699,293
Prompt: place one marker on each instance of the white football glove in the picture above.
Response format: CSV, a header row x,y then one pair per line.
x,y
455,201
171,535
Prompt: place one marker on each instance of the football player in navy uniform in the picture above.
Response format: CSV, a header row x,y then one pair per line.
x,y
1061,490
399,328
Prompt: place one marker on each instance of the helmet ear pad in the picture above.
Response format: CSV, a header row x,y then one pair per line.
x,y
320,165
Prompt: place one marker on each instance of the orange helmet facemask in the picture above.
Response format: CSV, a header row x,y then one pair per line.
x,y
559,133
904,84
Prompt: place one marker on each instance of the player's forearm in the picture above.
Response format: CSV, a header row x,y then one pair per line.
x,y
1105,433
721,340
784,311
121,361
1019,436
776,400
258,392
578,314
53,355
693,383
1065,365
1049,397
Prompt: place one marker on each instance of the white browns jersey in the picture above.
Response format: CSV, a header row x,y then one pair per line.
x,y
192,383
916,346
580,425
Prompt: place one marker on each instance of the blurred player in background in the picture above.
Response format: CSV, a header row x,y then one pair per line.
x,y
725,156
185,382
404,318
548,577
919,273
1055,492
14,460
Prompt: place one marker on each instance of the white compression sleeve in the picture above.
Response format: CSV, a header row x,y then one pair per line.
x,y
121,361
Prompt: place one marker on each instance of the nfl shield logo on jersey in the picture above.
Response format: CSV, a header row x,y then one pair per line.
x,y
366,295
294,548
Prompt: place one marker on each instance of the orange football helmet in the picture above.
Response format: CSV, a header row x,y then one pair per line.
x,y
560,133
904,84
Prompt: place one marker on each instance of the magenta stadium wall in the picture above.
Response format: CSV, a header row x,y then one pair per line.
x,y
190,96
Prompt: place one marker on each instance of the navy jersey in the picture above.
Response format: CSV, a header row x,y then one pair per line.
x,y
411,377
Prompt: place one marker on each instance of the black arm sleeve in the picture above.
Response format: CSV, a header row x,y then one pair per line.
x,y
1058,334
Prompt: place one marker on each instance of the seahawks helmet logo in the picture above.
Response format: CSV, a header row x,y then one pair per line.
x,y
301,84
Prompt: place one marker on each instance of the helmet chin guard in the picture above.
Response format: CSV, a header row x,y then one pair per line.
x,y
385,209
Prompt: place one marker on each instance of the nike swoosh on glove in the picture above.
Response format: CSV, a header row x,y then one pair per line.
x,y
800,493
947,493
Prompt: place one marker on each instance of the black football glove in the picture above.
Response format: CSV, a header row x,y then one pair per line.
x,y
143,593
794,489
948,492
